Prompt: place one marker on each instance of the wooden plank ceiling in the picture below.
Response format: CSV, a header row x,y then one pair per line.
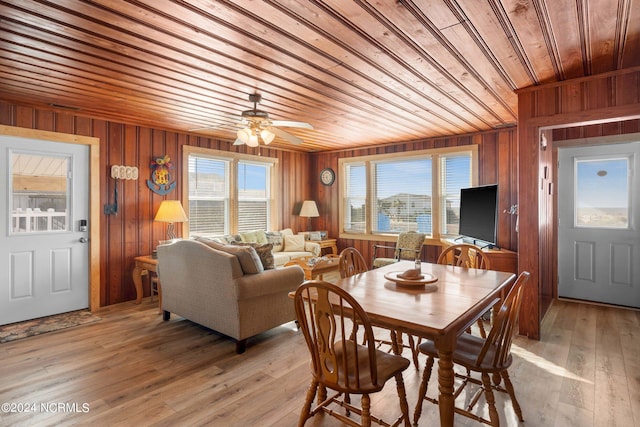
x,y
362,72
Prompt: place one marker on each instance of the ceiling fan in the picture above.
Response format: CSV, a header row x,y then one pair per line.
x,y
257,126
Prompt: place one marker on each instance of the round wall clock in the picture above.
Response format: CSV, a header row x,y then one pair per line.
x,y
327,176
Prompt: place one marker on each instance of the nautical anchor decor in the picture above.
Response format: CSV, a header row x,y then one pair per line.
x,y
160,182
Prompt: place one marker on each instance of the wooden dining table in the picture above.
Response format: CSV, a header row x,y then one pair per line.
x,y
439,311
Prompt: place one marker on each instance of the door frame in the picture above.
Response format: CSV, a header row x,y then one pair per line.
x,y
94,196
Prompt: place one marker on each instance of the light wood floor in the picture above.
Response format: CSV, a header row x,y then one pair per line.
x,y
131,368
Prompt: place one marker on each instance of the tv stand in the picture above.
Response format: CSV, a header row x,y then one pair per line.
x,y
500,259
479,243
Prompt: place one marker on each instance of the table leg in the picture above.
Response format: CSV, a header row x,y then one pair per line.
x,y
445,385
137,281
334,249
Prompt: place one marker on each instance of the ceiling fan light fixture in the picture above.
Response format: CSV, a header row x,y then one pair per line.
x,y
267,136
244,135
253,141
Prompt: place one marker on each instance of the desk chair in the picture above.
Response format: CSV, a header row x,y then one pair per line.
x,y
485,356
327,315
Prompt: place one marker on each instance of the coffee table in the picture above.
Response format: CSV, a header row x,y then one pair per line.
x,y
315,267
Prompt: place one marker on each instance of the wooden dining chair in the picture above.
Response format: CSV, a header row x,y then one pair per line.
x,y
468,256
487,356
351,263
327,315
465,255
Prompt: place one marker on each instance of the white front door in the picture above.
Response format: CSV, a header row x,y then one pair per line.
x,y
44,230
599,216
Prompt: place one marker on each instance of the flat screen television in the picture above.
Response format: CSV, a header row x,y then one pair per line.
x,y
479,214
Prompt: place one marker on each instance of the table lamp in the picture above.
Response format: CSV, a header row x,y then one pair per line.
x,y
171,211
310,210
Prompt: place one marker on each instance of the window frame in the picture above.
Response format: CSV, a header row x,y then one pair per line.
x,y
434,154
233,159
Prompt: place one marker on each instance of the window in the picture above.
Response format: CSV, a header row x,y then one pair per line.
x,y
228,194
601,191
39,193
420,191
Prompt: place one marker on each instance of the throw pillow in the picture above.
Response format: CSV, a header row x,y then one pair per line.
x,y
247,256
275,238
211,242
264,253
257,236
294,243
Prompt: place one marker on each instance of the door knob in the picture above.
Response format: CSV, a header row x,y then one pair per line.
x,y
83,240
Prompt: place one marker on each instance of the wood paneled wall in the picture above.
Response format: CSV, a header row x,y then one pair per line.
x,y
497,163
604,103
132,232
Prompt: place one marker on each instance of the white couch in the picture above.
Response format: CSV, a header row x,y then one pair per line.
x,y
285,244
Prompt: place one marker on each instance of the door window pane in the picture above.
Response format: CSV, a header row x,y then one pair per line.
x,y
602,193
38,193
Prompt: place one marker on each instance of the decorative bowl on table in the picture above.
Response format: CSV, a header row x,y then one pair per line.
x,y
410,278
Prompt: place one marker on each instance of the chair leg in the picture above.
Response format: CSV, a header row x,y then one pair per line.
x,y
512,395
402,395
306,409
426,376
414,351
241,346
491,401
365,404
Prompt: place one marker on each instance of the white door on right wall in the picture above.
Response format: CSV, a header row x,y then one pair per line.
x,y
599,216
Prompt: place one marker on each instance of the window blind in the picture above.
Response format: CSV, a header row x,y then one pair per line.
x,y
208,195
455,175
253,196
402,195
354,204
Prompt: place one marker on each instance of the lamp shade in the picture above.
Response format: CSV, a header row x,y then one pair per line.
x,y
171,211
309,209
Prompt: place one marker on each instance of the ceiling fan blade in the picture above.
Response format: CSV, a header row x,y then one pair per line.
x,y
291,124
285,135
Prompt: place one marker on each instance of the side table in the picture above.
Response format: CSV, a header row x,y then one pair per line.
x,y
143,265
328,244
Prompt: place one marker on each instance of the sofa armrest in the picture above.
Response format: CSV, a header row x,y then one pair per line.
x,y
313,247
285,279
